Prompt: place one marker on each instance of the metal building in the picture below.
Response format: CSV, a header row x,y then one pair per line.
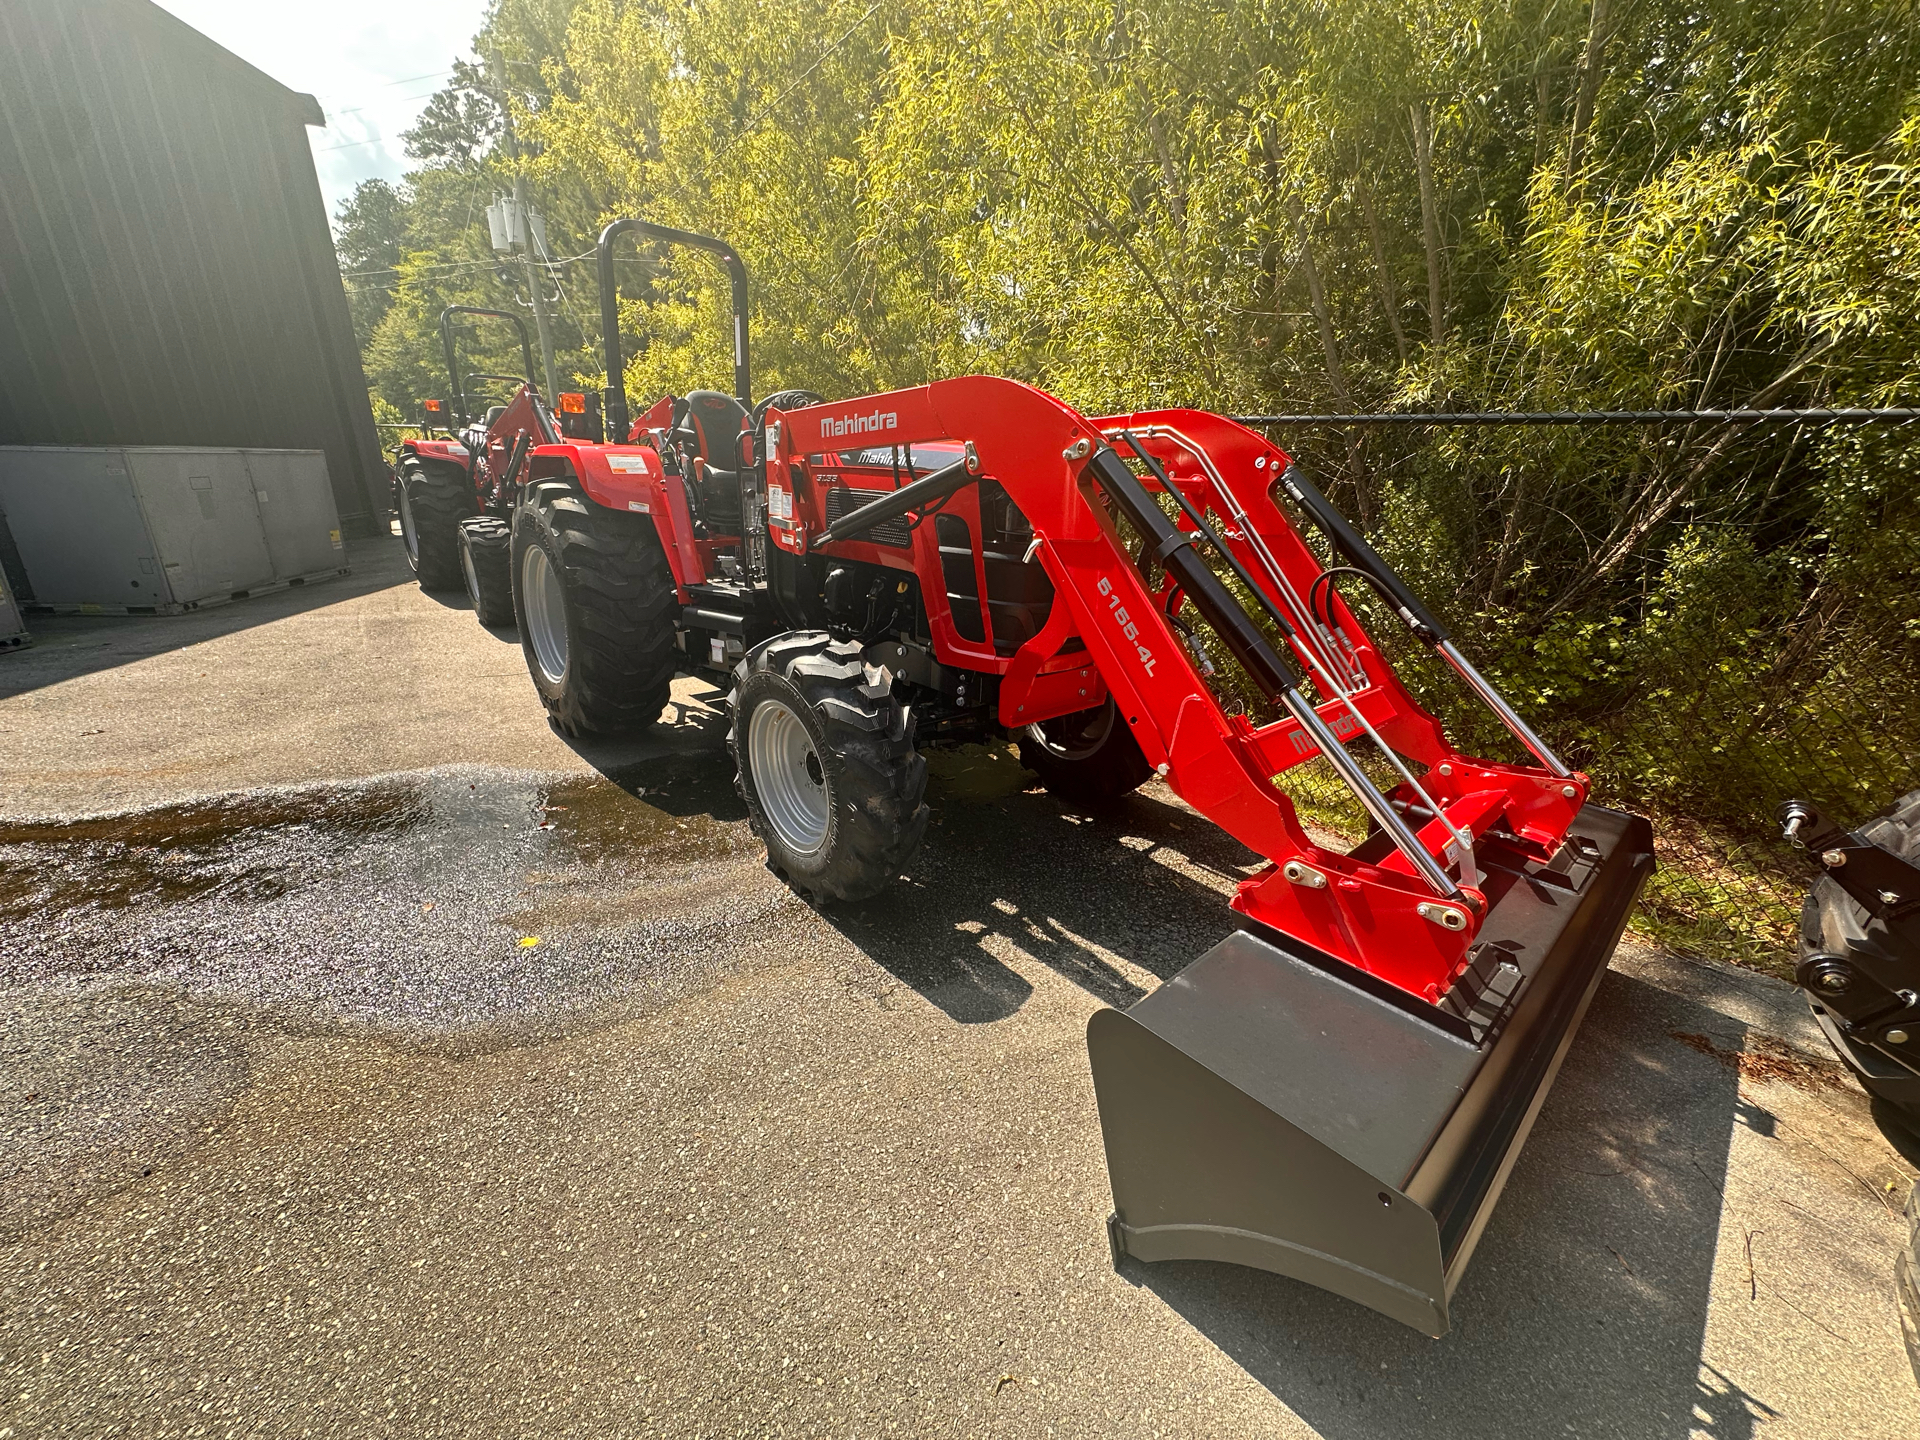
x,y
167,274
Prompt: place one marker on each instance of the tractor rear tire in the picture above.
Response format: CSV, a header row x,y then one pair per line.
x,y
432,500
827,767
1088,758
486,560
596,605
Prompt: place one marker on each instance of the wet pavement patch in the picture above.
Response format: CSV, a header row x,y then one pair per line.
x,y
448,901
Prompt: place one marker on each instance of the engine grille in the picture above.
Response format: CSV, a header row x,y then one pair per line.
x,y
843,500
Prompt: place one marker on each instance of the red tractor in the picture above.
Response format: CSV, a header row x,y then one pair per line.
x,y
1339,1089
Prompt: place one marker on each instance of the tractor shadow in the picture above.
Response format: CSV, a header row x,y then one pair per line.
x,y
1584,1310
680,761
1007,877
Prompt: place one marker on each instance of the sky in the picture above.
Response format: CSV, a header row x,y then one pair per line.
x,y
372,64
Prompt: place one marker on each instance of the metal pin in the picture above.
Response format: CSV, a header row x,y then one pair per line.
x,y
1306,875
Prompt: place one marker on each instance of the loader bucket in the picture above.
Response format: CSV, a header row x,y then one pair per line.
x,y
1274,1107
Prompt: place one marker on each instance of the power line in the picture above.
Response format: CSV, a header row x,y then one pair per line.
x,y
1894,415
471,265
389,84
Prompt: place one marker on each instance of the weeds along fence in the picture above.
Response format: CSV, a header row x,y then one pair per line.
x,y
1709,611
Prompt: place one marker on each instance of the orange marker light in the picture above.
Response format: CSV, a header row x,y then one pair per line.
x,y
572,404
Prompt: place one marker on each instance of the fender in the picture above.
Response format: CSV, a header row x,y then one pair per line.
x,y
451,452
631,479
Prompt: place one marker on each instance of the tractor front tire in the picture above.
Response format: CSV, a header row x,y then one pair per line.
x,y
486,560
827,766
432,500
596,604
1087,758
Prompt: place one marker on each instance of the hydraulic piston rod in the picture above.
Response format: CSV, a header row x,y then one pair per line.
x,y
1251,648
1363,557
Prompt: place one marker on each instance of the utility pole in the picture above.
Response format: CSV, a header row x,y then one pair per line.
x,y
522,221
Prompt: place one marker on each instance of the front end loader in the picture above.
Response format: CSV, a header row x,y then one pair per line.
x,y
1337,1091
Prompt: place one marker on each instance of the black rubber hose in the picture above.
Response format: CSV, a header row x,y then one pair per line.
x,y
1362,556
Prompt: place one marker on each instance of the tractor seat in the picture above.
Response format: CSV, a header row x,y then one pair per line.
x,y
708,424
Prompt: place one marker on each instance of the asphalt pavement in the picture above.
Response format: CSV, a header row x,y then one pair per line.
x,y
377,1062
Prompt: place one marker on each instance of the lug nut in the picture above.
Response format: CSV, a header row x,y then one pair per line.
x,y
1896,1037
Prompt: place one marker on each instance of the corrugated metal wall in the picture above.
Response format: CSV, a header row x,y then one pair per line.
x,y
167,275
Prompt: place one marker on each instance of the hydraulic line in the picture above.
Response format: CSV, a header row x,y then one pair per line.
x,y
1306,620
1251,648
1362,556
1470,871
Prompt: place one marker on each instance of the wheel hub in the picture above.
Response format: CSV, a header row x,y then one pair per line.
x,y
788,777
545,603
409,536
1075,736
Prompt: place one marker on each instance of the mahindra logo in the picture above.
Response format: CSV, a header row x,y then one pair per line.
x,y
1344,727
835,426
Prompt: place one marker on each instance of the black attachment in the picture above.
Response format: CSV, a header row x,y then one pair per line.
x,y
617,417
453,362
924,491
1886,885
1362,556
1267,1108
1210,597
1862,967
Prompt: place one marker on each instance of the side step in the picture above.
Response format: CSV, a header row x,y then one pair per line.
x,y
1271,1107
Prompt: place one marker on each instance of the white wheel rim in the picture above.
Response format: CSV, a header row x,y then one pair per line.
x,y
473,580
546,607
408,535
1079,740
784,763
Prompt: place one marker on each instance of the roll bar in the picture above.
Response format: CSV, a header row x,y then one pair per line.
x,y
616,407
453,363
